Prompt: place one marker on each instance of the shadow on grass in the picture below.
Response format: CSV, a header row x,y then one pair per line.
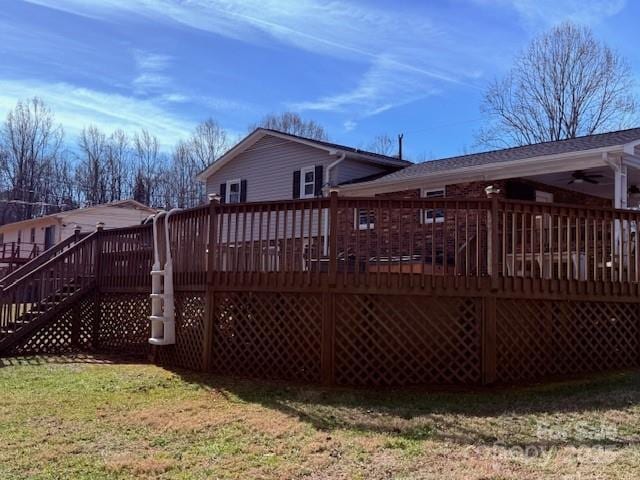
x,y
509,416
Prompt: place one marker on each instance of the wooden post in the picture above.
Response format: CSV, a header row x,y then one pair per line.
x,y
493,236
327,367
209,309
489,339
333,237
96,307
75,325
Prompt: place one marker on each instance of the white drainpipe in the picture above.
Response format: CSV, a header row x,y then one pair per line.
x,y
327,183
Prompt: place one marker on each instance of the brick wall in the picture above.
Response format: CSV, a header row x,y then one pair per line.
x,y
476,190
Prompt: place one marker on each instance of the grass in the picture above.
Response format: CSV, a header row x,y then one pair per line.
x,y
86,417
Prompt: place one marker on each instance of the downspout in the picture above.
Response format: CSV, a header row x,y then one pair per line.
x,y
327,184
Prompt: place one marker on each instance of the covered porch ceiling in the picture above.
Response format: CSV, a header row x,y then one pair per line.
x,y
612,176
597,181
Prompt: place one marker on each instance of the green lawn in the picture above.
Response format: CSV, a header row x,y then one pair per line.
x,y
89,418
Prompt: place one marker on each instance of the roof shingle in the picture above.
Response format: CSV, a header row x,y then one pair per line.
x,y
588,142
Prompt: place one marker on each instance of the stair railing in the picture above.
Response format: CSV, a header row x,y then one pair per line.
x,y
46,286
43,258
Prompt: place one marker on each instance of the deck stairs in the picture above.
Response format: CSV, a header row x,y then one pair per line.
x,y
45,290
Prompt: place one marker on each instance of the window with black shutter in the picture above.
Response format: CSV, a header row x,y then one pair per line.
x,y
296,184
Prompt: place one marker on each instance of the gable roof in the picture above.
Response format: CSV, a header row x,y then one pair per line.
x,y
497,157
129,203
330,148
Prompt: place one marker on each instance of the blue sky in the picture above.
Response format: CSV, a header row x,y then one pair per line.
x,y
359,68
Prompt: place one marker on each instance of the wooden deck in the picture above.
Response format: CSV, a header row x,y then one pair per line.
x,y
384,291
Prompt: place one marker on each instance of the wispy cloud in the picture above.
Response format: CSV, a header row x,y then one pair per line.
x,y
404,55
151,68
381,88
548,12
76,107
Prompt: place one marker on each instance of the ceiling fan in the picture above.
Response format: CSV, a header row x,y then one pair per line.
x,y
580,176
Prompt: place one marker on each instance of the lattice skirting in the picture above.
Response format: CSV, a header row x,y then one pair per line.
x,y
538,338
123,324
407,340
70,331
187,352
268,335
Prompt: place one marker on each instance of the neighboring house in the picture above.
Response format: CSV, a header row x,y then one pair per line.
x,y
22,240
271,165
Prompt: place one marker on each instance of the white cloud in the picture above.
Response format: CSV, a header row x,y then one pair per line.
x,y
150,76
404,55
382,87
349,125
76,107
549,12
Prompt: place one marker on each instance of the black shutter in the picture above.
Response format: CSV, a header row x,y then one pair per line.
x,y
296,184
317,188
223,192
243,191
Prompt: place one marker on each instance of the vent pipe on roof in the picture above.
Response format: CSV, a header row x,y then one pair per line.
x,y
400,137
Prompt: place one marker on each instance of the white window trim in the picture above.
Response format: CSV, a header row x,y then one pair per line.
x,y
304,171
423,194
544,197
227,194
362,226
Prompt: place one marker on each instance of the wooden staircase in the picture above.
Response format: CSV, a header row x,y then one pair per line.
x,y
45,289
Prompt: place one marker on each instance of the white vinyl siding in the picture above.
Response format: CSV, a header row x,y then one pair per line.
x,y
269,164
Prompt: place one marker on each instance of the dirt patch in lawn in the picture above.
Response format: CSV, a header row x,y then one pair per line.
x,y
103,420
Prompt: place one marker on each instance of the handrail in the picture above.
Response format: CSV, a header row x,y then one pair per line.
x,y
52,252
48,263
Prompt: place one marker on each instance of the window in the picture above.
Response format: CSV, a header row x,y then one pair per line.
x,y
364,219
32,235
544,197
433,214
233,191
19,236
308,182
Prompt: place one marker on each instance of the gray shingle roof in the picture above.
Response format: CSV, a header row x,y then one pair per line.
x,y
338,146
588,142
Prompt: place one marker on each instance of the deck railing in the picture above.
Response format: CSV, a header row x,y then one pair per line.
x,y
568,242
368,239
362,240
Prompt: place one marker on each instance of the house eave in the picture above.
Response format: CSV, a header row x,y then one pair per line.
x,y
490,171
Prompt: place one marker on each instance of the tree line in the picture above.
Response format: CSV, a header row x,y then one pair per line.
x,y
565,84
40,174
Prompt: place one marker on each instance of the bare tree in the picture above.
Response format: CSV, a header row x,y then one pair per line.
x,y
382,144
182,189
117,166
290,122
147,153
208,142
91,169
565,84
31,141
